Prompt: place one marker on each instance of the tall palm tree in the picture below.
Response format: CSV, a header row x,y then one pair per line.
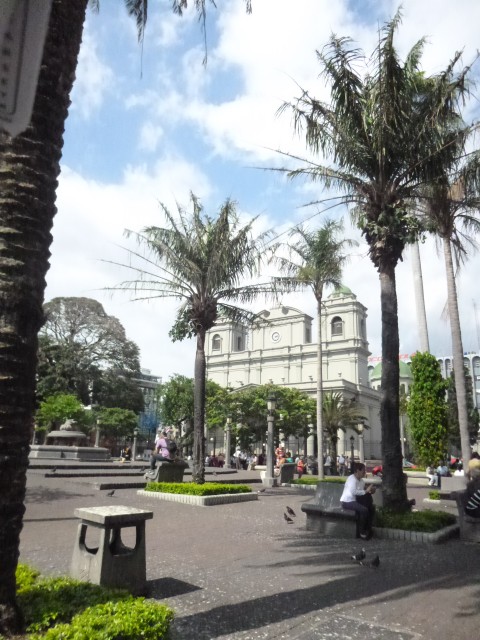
x,y
453,213
315,261
338,415
30,165
385,132
203,262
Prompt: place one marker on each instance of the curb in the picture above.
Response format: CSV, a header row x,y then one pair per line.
x,y
418,536
199,501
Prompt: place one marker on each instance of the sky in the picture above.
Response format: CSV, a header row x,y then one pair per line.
x,y
152,123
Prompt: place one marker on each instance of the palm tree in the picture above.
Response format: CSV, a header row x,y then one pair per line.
x,y
30,165
316,260
386,133
452,210
200,261
338,414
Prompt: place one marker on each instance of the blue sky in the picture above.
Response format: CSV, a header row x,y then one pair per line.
x,y
153,125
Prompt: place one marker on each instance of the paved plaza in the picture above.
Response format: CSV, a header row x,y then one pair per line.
x,y
240,571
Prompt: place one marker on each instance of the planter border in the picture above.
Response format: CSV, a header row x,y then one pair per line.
x,y
199,501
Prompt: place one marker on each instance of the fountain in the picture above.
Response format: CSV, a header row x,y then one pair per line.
x,y
70,443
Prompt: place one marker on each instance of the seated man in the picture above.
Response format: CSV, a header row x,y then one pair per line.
x,y
164,449
357,497
471,498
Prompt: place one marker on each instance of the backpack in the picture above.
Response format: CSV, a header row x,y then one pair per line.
x,y
171,446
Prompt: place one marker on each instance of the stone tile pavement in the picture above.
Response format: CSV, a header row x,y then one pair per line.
x,y
239,571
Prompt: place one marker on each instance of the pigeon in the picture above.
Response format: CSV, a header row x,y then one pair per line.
x,y
291,512
110,493
358,557
375,563
54,470
261,490
62,455
289,520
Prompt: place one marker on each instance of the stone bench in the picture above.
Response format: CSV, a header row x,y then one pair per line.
x,y
469,527
325,514
167,472
111,564
452,483
286,475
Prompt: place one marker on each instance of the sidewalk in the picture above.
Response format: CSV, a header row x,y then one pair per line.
x,y
241,572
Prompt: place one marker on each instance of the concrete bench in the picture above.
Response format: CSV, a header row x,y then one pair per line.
x,y
286,475
452,483
167,472
111,564
469,527
325,514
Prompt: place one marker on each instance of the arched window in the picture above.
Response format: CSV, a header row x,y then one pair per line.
x,y
337,326
216,343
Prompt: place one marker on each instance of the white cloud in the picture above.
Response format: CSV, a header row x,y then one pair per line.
x,y
94,79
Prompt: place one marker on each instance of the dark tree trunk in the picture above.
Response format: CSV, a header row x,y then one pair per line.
x,y
29,167
198,474
394,487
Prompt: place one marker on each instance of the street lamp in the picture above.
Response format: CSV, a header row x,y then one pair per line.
x,y
269,479
135,436
214,440
228,435
352,453
360,428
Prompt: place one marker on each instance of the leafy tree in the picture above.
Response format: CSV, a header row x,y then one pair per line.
x,y
117,423
452,409
316,260
84,351
387,130
427,409
54,410
201,261
28,182
338,415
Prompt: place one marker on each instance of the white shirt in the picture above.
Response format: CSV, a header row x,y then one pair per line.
x,y
353,488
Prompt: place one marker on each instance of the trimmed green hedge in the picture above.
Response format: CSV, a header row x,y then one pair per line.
x,y
193,489
316,480
427,521
67,609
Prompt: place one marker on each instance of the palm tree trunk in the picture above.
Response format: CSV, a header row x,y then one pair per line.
x,y
319,392
394,486
199,388
457,352
29,167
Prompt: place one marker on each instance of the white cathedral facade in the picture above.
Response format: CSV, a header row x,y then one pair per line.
x,y
282,350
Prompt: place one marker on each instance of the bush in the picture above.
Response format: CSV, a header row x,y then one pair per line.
x,y
193,489
306,480
316,480
128,619
67,609
427,521
434,495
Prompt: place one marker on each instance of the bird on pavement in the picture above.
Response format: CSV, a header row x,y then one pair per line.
x,y
110,493
375,563
291,512
359,556
289,520
62,455
54,470
261,490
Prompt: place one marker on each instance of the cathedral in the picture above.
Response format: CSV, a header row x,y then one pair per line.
x,y
281,349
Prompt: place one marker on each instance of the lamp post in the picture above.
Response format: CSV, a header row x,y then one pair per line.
x,y
134,450
352,453
269,479
228,435
214,440
361,450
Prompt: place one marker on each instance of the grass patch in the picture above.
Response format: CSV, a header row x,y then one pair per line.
x,y
427,521
193,489
315,480
434,495
67,609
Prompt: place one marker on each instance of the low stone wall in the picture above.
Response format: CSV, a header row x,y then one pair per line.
x,y
199,501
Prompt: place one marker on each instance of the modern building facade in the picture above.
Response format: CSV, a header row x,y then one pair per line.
x,y
281,349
